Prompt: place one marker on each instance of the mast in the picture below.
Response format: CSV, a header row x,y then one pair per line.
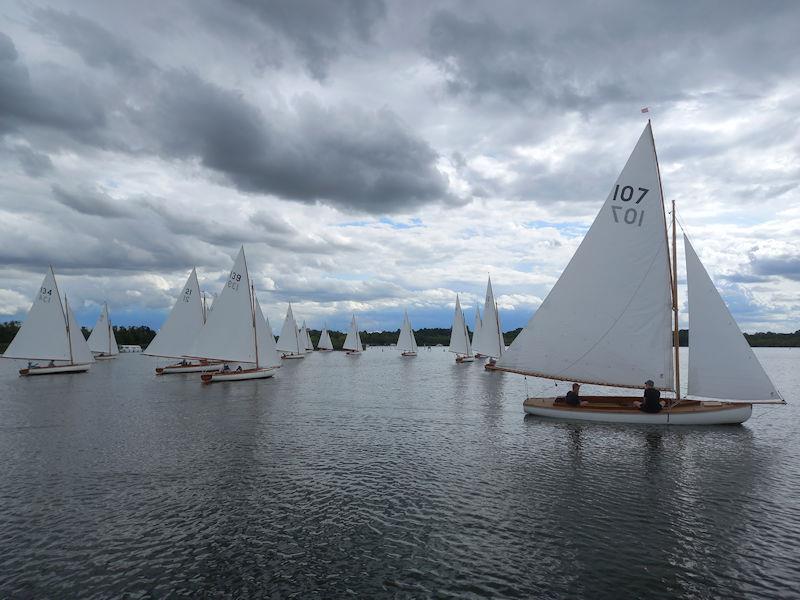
x,y
69,337
676,336
673,270
205,311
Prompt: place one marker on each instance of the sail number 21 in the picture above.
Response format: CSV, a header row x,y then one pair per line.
x,y
629,216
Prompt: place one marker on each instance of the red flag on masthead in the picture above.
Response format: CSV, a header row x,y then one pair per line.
x,y
646,109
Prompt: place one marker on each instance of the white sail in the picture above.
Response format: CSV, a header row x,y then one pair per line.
x,y
490,342
721,362
43,335
353,340
607,318
102,340
325,340
81,353
288,340
267,352
305,338
309,343
406,341
476,331
177,334
301,338
459,338
228,334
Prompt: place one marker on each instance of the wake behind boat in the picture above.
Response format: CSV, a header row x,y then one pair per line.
x,y
626,331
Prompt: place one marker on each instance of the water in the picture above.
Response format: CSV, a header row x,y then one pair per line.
x,y
378,476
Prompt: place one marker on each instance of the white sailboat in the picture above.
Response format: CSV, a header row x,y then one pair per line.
x,y
101,341
50,332
306,339
236,332
406,341
352,343
626,330
325,344
490,342
176,337
476,332
289,341
459,337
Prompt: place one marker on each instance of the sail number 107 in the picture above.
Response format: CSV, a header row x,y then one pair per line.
x,y
629,216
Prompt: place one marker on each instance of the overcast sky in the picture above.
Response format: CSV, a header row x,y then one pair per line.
x,y
378,155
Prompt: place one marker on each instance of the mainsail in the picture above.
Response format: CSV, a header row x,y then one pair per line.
x,y
102,339
459,338
78,346
607,318
476,332
721,362
490,342
307,338
406,341
325,340
288,340
177,334
353,340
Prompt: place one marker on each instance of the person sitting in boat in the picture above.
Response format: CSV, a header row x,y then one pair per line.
x,y
239,368
652,402
226,368
572,398
52,363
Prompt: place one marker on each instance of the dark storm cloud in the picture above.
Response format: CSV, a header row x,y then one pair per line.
x,y
91,202
318,31
59,101
346,157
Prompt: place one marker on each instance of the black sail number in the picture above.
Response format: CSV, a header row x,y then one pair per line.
x,y
234,279
45,294
626,193
628,216
187,295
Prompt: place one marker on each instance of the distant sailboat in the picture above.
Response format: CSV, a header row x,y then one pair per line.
x,y
236,331
50,333
101,341
625,331
325,344
490,342
406,341
289,341
476,332
176,337
459,337
306,338
352,343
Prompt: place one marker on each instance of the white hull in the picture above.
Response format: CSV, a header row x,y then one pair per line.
x,y
691,414
104,356
291,356
57,370
191,368
238,375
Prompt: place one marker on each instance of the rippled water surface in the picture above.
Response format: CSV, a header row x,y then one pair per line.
x,y
378,476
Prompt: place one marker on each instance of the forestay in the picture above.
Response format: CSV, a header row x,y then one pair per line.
x,y
177,334
721,362
228,332
406,341
607,318
288,340
490,342
43,335
459,338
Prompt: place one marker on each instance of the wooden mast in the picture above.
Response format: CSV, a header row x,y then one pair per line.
x,y
676,335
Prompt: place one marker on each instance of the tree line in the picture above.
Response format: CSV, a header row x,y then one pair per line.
x,y
142,335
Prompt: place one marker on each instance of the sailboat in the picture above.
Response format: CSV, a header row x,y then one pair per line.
x,y
289,341
101,341
611,319
352,343
406,341
306,338
459,337
50,332
325,344
490,343
476,332
236,332
176,336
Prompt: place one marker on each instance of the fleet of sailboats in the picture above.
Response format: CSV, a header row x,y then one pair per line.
x,y
460,344
406,341
101,341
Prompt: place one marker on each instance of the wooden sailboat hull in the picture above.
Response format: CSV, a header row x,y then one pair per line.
x,y
408,354
615,409
104,356
190,368
353,353
57,370
244,375
291,356
463,359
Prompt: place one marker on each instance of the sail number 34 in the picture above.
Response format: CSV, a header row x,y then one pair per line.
x,y
629,216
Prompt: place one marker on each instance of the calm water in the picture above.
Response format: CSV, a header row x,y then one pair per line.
x,y
382,477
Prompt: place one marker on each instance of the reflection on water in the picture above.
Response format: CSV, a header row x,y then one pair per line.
x,y
381,476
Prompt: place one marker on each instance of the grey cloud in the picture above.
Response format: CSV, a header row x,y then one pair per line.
x,y
35,164
346,157
91,202
787,266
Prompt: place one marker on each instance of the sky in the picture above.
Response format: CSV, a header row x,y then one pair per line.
x,y
373,156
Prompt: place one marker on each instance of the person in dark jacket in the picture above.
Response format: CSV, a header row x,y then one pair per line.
x,y
652,402
572,398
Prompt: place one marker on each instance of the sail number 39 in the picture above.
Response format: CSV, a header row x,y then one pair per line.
x,y
234,279
629,216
